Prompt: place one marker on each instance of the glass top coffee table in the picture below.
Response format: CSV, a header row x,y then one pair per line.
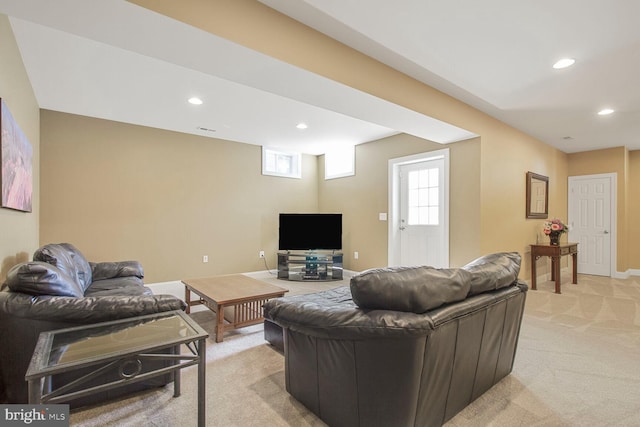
x,y
124,346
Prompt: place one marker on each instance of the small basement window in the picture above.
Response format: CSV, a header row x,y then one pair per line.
x,y
281,163
339,162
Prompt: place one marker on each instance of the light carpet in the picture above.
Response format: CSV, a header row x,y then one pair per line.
x,y
577,364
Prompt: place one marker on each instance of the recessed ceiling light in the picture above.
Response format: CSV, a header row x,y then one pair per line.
x,y
195,101
302,126
605,112
564,63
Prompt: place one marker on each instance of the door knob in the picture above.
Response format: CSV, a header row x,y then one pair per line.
x,y
605,232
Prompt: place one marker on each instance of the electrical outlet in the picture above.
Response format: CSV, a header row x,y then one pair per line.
x,y
205,258
356,255
261,254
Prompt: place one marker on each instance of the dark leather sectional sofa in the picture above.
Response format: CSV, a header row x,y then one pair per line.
x,y
60,289
407,346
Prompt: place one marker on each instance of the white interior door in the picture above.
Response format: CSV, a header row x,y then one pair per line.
x,y
422,214
591,222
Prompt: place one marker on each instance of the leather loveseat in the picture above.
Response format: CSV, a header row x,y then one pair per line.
x,y
405,346
60,289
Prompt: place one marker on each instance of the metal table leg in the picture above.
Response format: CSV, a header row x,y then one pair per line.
x,y
202,363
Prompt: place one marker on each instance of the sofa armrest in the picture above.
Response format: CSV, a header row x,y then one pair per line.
x,y
477,302
110,270
86,309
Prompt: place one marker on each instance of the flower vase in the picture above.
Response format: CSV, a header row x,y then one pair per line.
x,y
554,239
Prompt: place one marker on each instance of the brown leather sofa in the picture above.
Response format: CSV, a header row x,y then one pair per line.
x,y
60,289
407,346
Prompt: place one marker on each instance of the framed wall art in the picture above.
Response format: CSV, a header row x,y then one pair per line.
x,y
537,196
16,161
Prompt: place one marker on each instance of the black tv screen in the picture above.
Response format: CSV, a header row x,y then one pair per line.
x,y
310,231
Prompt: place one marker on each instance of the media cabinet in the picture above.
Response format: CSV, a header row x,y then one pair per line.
x,y
310,265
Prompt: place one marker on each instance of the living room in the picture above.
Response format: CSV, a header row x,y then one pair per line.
x,y
122,191
481,194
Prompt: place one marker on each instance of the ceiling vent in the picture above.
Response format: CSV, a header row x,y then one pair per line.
x,y
205,129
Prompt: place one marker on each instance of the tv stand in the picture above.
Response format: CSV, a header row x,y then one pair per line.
x,y
310,265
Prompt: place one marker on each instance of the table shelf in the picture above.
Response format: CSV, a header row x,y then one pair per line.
x,y
311,265
555,252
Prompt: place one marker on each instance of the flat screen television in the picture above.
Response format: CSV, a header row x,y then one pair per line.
x,y
317,231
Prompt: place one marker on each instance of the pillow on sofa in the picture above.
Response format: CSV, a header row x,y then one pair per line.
x,y
67,258
110,270
410,289
493,271
41,278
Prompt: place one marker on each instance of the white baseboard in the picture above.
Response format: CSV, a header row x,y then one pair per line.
x,y
626,274
615,275
175,288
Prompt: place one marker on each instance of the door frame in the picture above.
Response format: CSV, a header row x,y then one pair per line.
x,y
394,201
613,241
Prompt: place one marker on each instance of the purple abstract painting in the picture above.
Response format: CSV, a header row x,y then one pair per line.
x,y
16,161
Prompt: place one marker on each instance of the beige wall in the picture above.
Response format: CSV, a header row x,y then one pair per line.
x,y
494,190
164,207
18,230
505,154
362,197
613,160
120,191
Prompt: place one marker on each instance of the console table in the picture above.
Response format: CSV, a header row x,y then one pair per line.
x,y
555,252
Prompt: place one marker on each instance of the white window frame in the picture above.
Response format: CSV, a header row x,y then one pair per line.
x,y
294,158
336,157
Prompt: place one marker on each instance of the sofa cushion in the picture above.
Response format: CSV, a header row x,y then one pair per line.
x,y
493,271
68,259
126,286
110,270
41,278
410,289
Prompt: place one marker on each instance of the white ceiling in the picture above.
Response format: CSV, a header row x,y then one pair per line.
x,y
497,55
114,60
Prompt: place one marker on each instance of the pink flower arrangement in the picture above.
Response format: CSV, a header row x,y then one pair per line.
x,y
555,226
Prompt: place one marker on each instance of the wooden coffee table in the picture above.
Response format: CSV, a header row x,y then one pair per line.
x,y
244,296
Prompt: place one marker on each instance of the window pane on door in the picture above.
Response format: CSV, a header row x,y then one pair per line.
x,y
423,197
